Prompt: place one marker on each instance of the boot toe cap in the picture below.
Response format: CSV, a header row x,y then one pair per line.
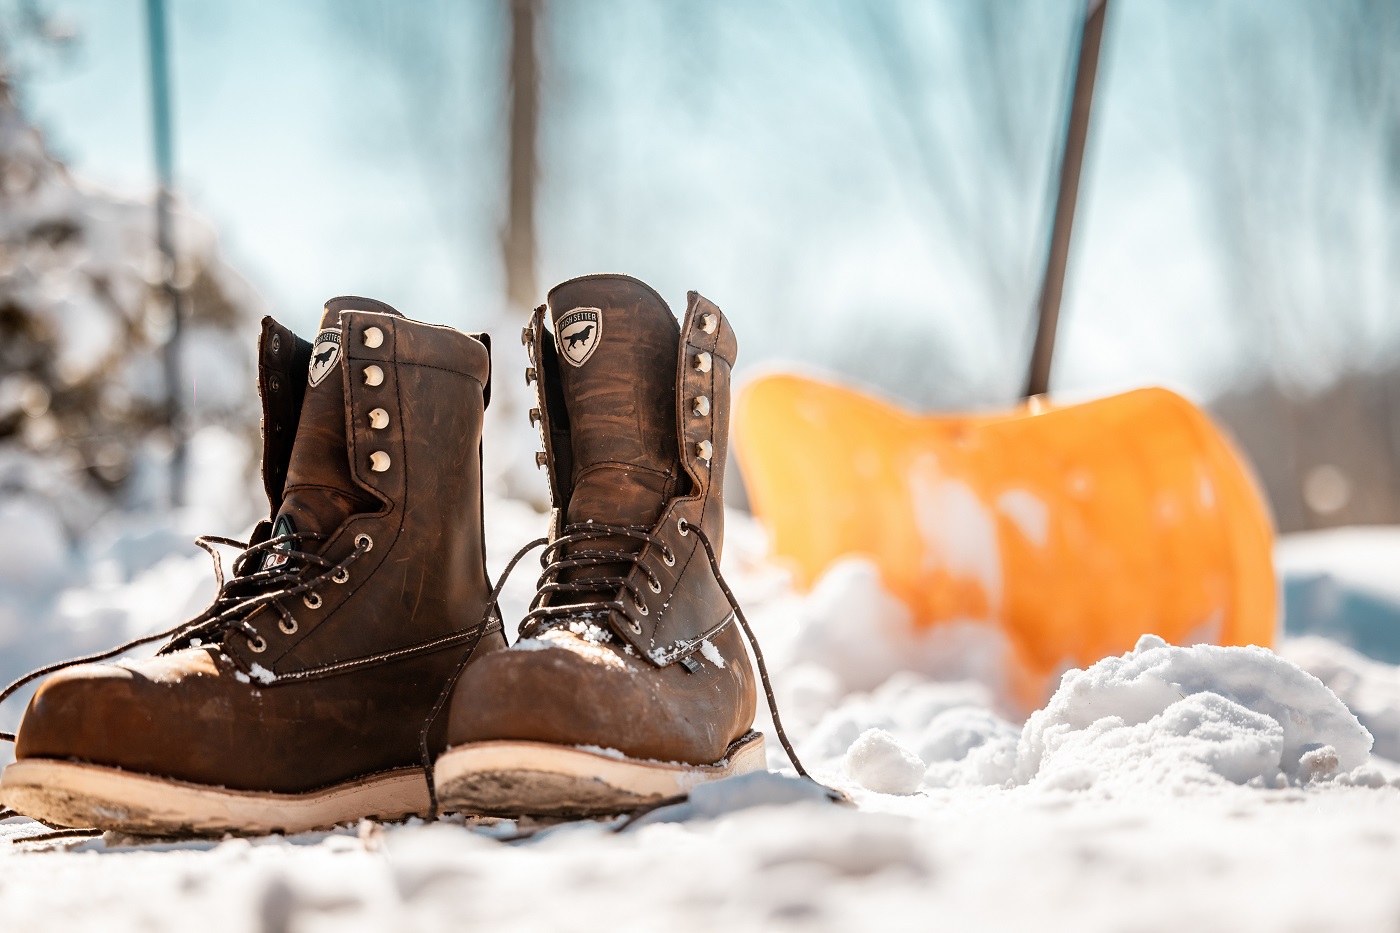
x,y
72,714
566,691
106,714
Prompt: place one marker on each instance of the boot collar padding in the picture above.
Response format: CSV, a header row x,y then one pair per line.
x,y
283,358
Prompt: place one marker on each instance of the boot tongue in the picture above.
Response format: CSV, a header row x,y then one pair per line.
x,y
617,343
320,492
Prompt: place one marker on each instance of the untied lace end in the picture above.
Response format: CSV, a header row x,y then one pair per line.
x,y
492,610
210,618
55,835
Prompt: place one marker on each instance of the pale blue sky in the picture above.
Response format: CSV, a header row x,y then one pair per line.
x,y
744,149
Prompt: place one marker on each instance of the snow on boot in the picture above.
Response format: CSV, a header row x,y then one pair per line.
x,y
297,699
630,682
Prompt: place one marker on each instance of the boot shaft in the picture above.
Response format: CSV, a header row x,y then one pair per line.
x,y
669,624
615,341
409,400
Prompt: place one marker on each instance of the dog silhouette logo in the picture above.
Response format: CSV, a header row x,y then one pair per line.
x,y
578,334
582,335
324,355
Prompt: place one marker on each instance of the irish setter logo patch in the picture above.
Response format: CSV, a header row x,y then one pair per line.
x,y
578,333
324,355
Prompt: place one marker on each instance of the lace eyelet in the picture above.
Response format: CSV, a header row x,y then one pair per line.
x,y
655,585
364,541
668,557
640,606
288,626
341,576
257,645
312,600
683,527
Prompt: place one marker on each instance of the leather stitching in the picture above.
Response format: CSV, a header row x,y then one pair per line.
x,y
660,616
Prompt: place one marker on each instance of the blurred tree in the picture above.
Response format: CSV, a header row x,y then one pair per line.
x,y
447,99
979,126
1290,118
518,241
83,406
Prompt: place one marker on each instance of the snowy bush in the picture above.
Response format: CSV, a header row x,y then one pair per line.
x,y
83,424
85,442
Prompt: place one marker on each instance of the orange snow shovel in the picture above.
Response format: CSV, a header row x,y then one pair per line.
x,y
1073,529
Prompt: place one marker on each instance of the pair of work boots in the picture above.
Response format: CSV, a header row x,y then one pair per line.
x,y
357,639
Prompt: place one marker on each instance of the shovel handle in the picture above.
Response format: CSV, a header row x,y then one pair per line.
x,y
1053,284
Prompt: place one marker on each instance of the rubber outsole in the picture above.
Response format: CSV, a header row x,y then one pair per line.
x,y
67,793
510,778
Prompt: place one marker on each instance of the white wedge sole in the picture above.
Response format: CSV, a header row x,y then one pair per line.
x,y
68,793
508,778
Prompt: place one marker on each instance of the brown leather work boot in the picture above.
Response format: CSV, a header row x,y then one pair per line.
x,y
297,700
630,682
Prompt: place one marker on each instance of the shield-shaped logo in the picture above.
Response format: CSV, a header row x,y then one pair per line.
x,y
277,556
578,333
324,355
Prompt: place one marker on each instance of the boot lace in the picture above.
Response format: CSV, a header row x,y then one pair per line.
x,y
556,559
249,590
563,554
239,596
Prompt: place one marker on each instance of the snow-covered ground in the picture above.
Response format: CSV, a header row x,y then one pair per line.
x,y
1172,788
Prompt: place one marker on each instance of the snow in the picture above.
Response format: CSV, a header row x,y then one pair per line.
x,y
1369,688
877,761
1028,512
712,654
851,627
1167,788
1342,584
39,555
1365,558
1172,717
261,674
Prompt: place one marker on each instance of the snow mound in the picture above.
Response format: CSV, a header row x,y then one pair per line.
x,y
1370,689
1173,718
852,626
880,763
904,705
968,746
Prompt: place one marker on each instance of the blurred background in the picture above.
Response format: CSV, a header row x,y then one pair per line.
x,y
865,186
